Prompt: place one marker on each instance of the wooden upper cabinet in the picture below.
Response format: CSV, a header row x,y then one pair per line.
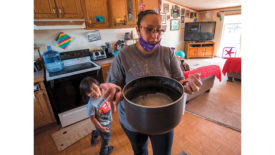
x,y
96,14
45,9
149,4
131,12
49,9
126,10
69,8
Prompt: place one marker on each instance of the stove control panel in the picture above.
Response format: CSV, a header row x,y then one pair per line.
x,y
74,54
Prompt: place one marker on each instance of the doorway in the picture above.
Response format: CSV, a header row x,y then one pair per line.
x,y
231,36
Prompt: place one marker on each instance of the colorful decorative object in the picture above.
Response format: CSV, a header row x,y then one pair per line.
x,y
141,7
63,40
219,16
99,19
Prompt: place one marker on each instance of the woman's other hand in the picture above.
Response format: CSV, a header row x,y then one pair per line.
x,y
112,93
192,84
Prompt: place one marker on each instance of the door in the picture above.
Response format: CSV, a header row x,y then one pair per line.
x,y
97,13
45,9
231,35
69,8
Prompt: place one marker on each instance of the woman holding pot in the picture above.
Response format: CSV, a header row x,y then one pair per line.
x,y
145,58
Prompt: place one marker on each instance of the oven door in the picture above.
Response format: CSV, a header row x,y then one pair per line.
x,y
66,99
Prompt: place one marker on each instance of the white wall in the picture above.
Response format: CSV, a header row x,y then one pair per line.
x,y
79,38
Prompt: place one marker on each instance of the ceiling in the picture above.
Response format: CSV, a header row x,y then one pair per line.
x,y
208,4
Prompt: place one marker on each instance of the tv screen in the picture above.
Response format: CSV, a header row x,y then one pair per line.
x,y
199,31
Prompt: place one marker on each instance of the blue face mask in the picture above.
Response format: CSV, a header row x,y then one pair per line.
x,y
147,46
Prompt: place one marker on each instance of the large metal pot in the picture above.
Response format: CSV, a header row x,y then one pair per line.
x,y
154,120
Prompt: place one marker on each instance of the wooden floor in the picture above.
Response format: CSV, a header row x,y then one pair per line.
x,y
194,135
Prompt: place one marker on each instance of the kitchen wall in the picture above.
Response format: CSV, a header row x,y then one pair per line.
x,y
174,38
80,41
79,38
211,15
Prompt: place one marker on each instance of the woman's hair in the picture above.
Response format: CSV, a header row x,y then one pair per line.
x,y
144,13
85,87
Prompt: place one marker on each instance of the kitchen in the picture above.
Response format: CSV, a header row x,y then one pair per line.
x,y
115,26
111,24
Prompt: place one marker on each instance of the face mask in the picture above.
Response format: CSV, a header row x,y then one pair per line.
x,y
146,46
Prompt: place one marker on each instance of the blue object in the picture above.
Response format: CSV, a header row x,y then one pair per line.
x,y
180,53
115,53
52,60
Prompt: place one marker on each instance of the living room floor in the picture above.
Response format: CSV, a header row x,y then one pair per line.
x,y
194,135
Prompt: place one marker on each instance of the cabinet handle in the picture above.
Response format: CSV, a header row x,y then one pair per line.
x,y
54,11
60,11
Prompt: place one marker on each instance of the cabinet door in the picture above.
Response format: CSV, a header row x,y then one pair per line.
x,y
105,71
42,114
150,4
191,52
45,9
117,10
131,13
69,9
96,11
208,51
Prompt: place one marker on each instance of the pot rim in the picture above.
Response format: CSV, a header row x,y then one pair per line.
x,y
153,107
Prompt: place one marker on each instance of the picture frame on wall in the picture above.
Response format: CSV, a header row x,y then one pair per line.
x,y
187,13
164,27
182,11
174,24
163,18
191,14
168,17
182,25
165,7
182,19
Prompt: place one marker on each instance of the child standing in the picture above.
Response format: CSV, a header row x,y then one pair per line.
x,y
99,111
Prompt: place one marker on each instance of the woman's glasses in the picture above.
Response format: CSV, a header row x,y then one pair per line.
x,y
151,30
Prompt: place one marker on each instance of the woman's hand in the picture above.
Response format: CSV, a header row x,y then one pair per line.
x,y
112,93
192,84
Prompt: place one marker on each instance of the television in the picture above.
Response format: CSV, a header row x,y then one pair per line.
x,y
199,31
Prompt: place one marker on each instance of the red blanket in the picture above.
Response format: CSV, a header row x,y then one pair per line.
x,y
232,65
205,71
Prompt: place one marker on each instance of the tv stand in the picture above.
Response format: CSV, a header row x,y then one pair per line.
x,y
204,49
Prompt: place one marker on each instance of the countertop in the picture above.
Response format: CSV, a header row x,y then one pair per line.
x,y
38,76
104,61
